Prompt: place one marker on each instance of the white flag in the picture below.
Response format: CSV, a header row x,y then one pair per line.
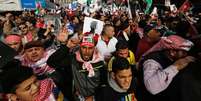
x,y
173,8
154,12
167,3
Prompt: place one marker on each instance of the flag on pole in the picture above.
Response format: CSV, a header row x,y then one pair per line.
x,y
173,8
129,10
148,6
185,6
38,7
110,1
89,2
125,2
192,29
167,3
154,13
73,6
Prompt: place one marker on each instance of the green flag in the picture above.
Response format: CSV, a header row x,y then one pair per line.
x,y
38,6
37,11
89,2
149,3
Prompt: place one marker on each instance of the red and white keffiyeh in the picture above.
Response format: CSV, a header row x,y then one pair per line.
x,y
40,67
87,64
45,90
171,42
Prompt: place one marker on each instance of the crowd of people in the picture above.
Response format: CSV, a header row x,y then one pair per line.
x,y
146,57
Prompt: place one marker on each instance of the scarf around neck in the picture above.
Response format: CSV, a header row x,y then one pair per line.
x,y
45,90
40,67
88,64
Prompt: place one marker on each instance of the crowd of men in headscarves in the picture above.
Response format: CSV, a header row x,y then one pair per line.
x,y
143,58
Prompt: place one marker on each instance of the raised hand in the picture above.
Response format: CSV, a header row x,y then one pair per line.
x,y
183,62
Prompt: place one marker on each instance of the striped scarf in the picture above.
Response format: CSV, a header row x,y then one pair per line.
x,y
40,67
87,64
171,42
45,90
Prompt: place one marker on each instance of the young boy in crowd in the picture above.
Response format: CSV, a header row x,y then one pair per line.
x,y
20,84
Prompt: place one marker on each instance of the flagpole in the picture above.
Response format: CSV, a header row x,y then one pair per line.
x,y
191,24
121,3
129,9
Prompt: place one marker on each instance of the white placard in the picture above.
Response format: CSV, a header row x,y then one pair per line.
x,y
90,23
10,5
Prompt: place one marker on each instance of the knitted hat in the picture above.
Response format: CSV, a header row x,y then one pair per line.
x,y
31,44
